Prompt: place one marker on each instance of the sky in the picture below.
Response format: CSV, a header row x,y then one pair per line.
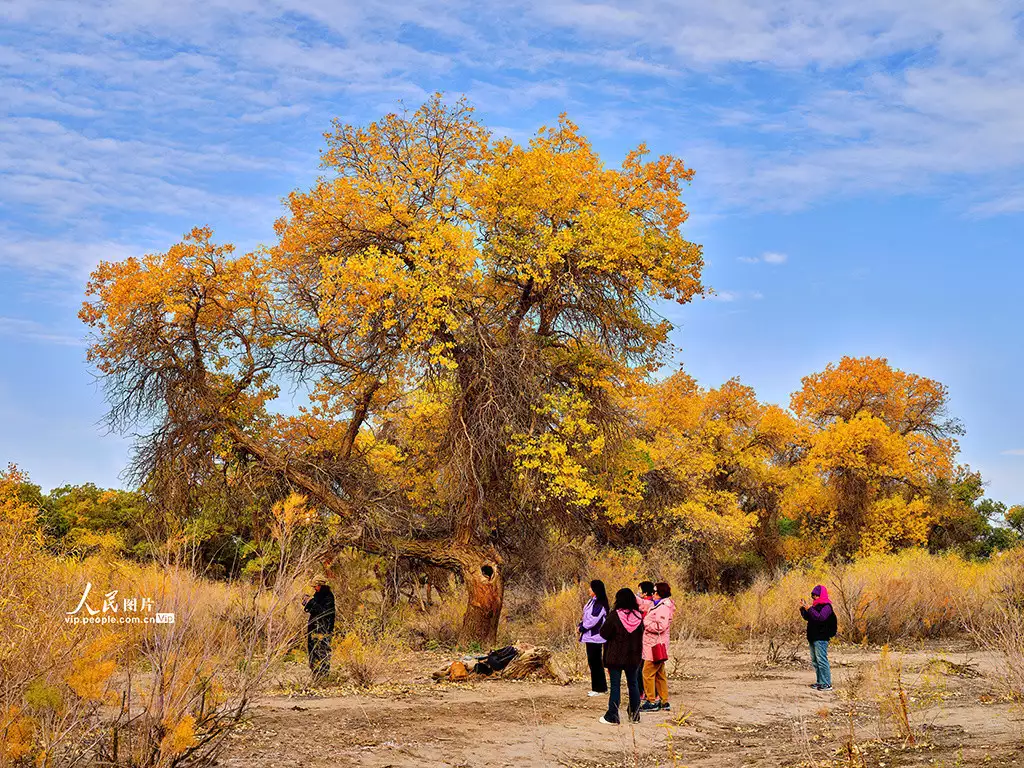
x,y
859,165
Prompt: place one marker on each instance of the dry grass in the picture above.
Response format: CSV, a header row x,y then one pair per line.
x,y
906,596
1000,624
130,694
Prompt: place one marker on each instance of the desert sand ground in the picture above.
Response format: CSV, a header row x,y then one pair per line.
x,y
730,707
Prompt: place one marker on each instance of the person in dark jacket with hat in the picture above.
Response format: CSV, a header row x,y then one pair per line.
x,y
821,627
623,632
319,629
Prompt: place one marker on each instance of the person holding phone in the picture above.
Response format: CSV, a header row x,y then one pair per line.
x,y
319,629
657,630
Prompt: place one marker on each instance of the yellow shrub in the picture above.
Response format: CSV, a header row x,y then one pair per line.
x,y
180,736
557,617
362,665
908,595
90,672
190,680
16,734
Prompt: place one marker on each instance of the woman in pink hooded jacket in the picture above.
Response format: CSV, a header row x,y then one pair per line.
x,y
657,630
623,633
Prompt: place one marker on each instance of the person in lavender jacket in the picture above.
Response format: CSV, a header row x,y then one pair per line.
x,y
821,627
594,614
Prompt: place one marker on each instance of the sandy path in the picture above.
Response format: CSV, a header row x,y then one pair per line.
x,y
733,711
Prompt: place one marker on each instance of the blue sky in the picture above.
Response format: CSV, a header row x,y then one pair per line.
x,y
858,184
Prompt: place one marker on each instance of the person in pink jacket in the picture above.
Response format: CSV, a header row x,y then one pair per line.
x,y
657,630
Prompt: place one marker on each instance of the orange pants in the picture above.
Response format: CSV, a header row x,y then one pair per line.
x,y
655,681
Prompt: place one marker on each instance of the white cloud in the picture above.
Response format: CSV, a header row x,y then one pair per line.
x,y
29,330
60,257
733,296
1014,452
172,109
1010,203
768,257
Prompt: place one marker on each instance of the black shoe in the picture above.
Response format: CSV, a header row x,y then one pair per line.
x,y
650,706
665,707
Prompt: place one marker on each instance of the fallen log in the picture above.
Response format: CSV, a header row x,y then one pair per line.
x,y
532,662
535,662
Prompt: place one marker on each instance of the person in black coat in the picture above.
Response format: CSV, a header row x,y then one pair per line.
x,y
319,629
623,632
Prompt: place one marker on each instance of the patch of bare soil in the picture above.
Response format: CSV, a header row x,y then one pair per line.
x,y
730,708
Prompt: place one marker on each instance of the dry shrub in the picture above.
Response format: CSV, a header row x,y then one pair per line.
x,y
557,617
1000,624
909,595
361,664
438,626
128,694
893,699
706,616
769,607
200,674
572,659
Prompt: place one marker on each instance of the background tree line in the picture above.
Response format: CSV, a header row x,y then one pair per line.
x,y
735,486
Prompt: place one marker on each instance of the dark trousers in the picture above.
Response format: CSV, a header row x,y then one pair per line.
x,y
597,680
632,685
318,645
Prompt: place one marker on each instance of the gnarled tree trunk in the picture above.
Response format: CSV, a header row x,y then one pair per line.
x,y
485,591
479,565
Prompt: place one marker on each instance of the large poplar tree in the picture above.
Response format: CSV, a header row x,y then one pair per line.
x,y
504,293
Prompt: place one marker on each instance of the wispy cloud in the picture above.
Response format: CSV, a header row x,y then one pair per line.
x,y
768,257
177,110
67,258
29,330
733,296
1014,452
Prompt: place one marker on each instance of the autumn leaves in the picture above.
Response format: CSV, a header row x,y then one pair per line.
x,y
473,321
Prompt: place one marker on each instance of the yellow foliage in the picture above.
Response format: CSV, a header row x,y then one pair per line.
x,y
16,734
179,736
17,519
717,450
91,671
289,514
363,665
876,442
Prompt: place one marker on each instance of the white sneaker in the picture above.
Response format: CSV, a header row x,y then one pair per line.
x,y
595,693
606,722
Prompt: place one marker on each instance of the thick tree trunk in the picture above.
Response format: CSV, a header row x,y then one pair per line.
x,y
478,564
480,569
485,591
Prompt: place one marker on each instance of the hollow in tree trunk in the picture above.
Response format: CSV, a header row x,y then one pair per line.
x,y
485,591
